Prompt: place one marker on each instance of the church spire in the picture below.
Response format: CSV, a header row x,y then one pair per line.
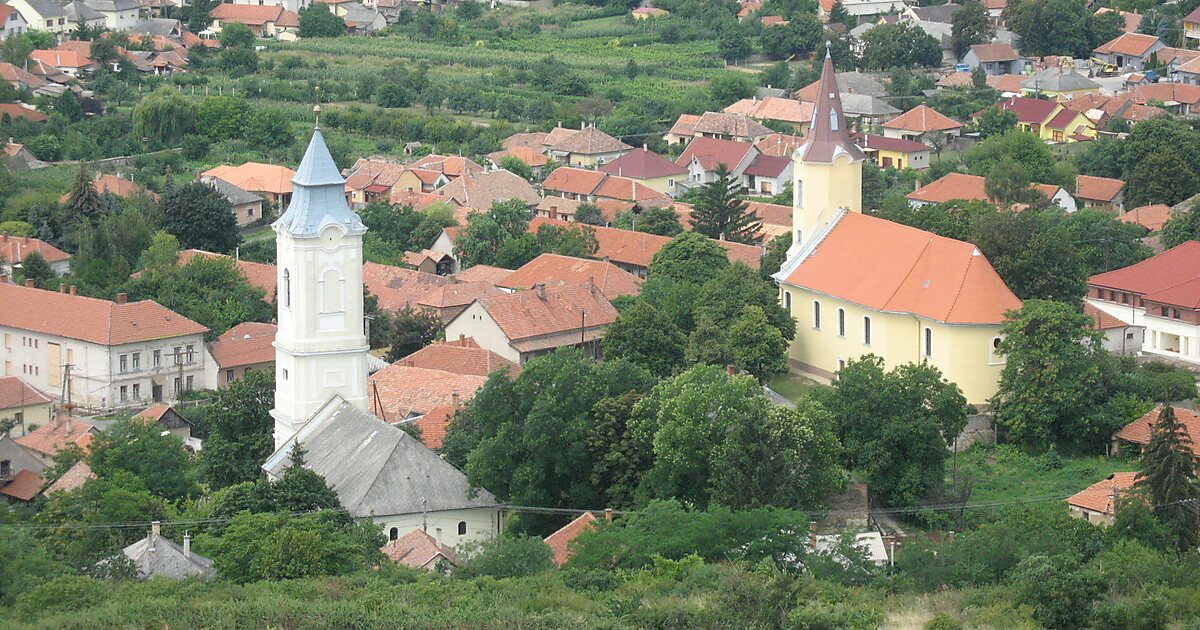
x,y
827,136
318,194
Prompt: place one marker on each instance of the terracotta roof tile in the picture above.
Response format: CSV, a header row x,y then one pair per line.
x,y
712,152
255,176
1152,217
779,144
988,53
23,487
589,141
626,189
962,186
1102,320
768,166
405,391
62,58
637,248
481,190
16,110
1172,277
374,171
15,392
535,140
733,125
1097,188
771,213
891,267
398,288
641,164
1098,497
248,343
75,477
1139,430
554,270
459,357
575,181
922,118
1134,44
530,156
483,273
51,437
16,248
685,125
560,541
884,143
1167,93
90,319
773,108
453,166
527,315
558,135
417,549
457,294
117,186
1028,110
433,425
250,14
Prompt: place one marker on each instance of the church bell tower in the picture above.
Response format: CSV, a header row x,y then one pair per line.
x,y
321,347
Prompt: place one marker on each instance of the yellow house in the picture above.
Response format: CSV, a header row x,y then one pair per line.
x,y
1068,126
649,169
23,404
861,285
1049,120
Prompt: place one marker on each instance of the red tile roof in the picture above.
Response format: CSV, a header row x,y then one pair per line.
x,y
1102,320
403,391
254,176
1172,277
453,166
529,317
635,249
15,392
771,213
433,425
883,143
575,181
62,58
14,110
417,549
891,267
554,270
588,141
459,357
641,164
398,288
1193,17
779,145
1028,110
1133,44
1152,217
1097,188
787,110
23,487
528,155
51,437
685,125
1132,20
90,319
1062,119
626,189
253,14
1139,430
1098,497
16,248
459,294
75,477
923,118
712,152
248,343
115,185
261,275
483,273
987,53
1167,92
560,540
768,166
962,186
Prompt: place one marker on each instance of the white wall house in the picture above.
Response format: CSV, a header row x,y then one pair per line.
x,y
290,5
12,23
43,15
119,15
120,353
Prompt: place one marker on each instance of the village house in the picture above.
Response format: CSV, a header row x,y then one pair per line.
x,y
1134,436
156,556
529,156
22,487
401,392
995,59
1162,294
861,8
265,21
1098,502
1100,192
430,261
240,350
647,13
1188,72
119,353
554,270
1152,217
922,124
23,405
119,15
704,156
1128,51
271,181
15,458
247,207
593,185
1191,25
648,169
928,299
789,111
43,15
74,478
560,541
17,158
1103,110
1049,120
717,125
480,190
895,153
1059,84
526,324
169,420
1175,97
418,550
14,250
940,13
290,5
586,147
767,175
115,185
12,23
17,110
965,187
452,166
1117,336
69,62
44,442
779,144
565,208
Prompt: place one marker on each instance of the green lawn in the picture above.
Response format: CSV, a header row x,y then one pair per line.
x,y
1005,473
792,386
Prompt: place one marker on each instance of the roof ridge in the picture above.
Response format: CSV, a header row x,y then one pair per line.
x,y
916,261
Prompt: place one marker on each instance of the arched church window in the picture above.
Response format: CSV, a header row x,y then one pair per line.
x,y
287,288
462,528
394,533
799,197
331,291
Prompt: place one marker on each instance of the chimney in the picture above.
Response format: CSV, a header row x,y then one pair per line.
x,y
29,282
812,535
608,515
438,537
68,422
462,340
122,298
155,528
71,289
62,288
454,398
187,545
592,284
540,290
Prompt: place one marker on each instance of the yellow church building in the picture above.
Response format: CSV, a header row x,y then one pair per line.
x,y
859,285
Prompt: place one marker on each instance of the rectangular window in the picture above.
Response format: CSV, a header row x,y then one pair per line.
x,y
157,358
816,315
189,383
124,363
928,342
178,385
787,301
178,354
1163,311
124,393
228,376
137,361
841,322
1124,298
1175,313
867,330
137,391
285,374
191,353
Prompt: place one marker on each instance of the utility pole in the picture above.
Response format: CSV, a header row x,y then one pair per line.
x,y
179,364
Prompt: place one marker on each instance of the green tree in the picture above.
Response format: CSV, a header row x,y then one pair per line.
x,y
302,490
26,563
899,45
83,201
725,297
1033,252
1027,150
514,165
1061,592
689,257
757,346
801,35
119,498
733,45
240,434
644,336
839,15
164,116
1007,183
995,121
221,117
412,329
34,267
1058,27
662,221
486,232
776,255
896,426
319,21
729,87
507,557
590,214
970,26
274,546
68,105
270,128
236,35
1169,479
1052,385
1182,227
143,450
718,211
200,217
1146,184
1104,243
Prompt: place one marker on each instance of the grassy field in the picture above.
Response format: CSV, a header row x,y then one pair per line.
x,y
792,386
1005,473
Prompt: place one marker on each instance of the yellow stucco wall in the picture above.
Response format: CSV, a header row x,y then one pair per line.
x,y
819,190
663,184
962,353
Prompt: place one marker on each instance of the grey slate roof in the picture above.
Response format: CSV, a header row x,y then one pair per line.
x,y
45,9
234,195
938,12
866,105
376,468
78,11
318,195
1055,80
158,26
155,556
112,6
859,83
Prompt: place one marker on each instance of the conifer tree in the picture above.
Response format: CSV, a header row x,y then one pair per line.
x,y
83,200
719,212
1169,477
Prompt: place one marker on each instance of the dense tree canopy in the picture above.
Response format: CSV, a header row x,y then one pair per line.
x,y
899,45
200,217
241,431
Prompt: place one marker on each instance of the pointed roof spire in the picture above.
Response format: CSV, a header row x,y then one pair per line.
x,y
828,137
318,194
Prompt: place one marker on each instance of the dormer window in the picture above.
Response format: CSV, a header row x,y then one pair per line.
x,y
833,123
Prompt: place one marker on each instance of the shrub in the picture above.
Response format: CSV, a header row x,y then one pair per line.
x,y
507,556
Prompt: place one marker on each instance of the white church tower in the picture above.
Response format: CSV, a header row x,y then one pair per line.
x,y
321,348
